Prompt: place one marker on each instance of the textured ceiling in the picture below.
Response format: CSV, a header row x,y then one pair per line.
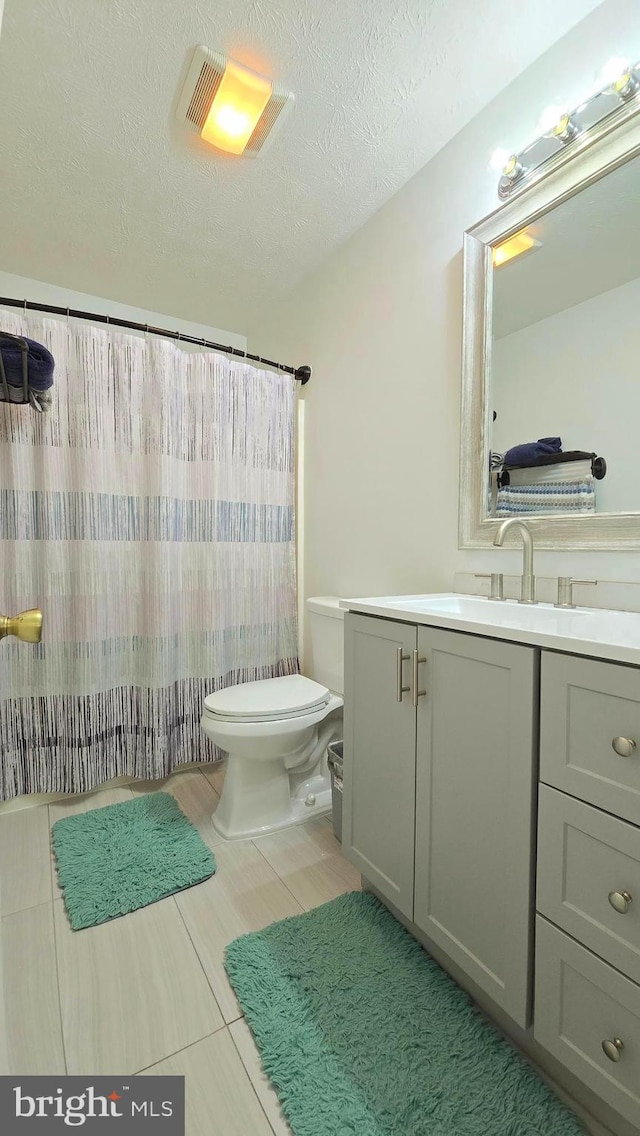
x,y
588,245
100,191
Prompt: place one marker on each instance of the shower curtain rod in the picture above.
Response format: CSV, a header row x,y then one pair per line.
x,y
302,374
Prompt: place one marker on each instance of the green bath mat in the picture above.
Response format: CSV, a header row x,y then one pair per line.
x,y
363,1034
114,860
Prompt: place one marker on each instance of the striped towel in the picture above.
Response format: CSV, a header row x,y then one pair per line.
x,y
550,497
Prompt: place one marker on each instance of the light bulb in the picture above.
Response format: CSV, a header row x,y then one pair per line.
x,y
232,121
565,129
613,69
626,85
513,168
499,158
550,117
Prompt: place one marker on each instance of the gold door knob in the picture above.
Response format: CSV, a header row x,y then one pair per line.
x,y
613,1049
26,626
620,901
624,746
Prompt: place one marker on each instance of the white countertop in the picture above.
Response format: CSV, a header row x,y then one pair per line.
x,y
596,632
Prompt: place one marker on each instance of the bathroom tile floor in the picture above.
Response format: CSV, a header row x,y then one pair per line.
x,y
148,992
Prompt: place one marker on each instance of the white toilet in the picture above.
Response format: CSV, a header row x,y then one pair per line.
x,y
276,732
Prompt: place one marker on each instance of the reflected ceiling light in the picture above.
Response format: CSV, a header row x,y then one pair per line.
x,y
514,246
230,106
617,98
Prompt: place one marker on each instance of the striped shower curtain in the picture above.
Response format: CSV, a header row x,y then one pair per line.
x,y
150,514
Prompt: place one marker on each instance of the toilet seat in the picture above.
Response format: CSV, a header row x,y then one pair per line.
x,y
267,700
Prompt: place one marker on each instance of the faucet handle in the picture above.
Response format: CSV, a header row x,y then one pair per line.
x,y
497,583
565,590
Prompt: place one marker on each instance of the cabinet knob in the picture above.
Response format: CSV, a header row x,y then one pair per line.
x,y
620,901
613,1049
624,746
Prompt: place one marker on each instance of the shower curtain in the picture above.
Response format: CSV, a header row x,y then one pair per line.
x,y
150,514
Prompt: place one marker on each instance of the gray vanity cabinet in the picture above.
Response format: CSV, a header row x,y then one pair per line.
x,y
380,755
475,777
439,797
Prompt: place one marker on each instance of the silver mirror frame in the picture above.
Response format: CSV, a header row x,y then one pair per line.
x,y
607,147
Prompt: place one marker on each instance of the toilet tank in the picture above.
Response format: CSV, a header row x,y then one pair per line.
x,y
326,641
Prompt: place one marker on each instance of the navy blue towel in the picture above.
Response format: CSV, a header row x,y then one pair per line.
x,y
529,452
40,364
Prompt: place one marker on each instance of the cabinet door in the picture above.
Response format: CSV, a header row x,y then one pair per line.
x,y
474,809
379,756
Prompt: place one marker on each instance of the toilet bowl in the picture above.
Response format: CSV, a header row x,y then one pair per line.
x,y
276,732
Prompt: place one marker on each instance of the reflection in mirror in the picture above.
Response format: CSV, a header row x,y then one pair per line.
x,y
564,385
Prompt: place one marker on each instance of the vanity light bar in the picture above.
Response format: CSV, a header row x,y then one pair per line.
x,y
571,126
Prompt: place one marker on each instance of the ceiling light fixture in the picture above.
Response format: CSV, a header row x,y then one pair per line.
x,y
231,107
617,98
514,246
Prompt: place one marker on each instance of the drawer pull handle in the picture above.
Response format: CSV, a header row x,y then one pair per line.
x,y
613,1049
400,659
620,901
624,746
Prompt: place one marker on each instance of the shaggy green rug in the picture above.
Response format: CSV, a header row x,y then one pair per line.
x,y
114,860
363,1034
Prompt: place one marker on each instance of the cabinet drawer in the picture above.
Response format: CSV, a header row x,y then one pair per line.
x,y
584,707
581,1002
584,856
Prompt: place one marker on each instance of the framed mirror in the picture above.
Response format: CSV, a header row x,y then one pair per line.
x,y
550,426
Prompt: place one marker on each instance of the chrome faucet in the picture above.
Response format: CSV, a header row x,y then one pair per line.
x,y
528,585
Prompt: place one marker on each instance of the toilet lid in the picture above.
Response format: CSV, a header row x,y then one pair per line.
x,y
269,698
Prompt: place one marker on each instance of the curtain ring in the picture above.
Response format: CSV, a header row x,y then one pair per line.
x,y
25,307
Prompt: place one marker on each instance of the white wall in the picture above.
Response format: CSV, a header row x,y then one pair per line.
x,y
381,324
21,287
574,374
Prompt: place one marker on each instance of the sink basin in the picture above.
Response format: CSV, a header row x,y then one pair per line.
x,y
505,613
597,632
